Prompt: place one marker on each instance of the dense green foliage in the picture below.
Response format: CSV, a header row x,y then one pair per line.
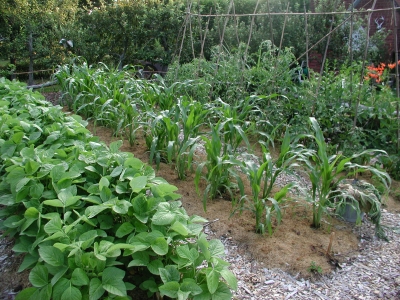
x,y
167,121
118,33
94,222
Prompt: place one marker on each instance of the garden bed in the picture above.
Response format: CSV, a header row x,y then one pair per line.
x,y
277,266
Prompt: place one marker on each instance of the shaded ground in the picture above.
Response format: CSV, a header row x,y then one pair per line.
x,y
293,247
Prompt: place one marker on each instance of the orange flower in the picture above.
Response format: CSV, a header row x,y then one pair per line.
x,y
392,66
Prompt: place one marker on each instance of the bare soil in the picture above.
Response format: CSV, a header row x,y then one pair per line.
x,y
292,248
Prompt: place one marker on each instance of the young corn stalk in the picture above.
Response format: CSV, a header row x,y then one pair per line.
x,y
219,164
262,178
327,172
174,133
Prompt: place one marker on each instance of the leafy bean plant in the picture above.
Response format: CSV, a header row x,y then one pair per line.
x,y
262,177
327,172
92,221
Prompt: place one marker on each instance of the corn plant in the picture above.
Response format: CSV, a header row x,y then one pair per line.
x,y
262,178
219,166
173,134
164,96
130,119
235,122
191,115
327,172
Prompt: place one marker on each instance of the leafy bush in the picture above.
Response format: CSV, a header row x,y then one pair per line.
x,y
94,222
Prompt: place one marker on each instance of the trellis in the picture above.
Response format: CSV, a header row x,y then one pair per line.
x,y
190,15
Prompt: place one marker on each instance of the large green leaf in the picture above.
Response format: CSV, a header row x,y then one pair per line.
x,y
125,229
222,293
59,273
39,276
79,277
96,289
54,225
60,287
229,278
31,213
140,258
154,266
137,184
180,228
93,211
31,167
103,183
29,261
112,281
190,254
71,293
160,246
190,285
163,216
51,255
170,289
26,294
140,208
169,273
212,277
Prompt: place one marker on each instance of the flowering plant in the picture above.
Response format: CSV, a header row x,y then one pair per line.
x,y
378,74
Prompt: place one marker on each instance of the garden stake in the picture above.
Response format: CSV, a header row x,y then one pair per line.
x,y
270,23
325,54
396,55
328,251
363,65
251,30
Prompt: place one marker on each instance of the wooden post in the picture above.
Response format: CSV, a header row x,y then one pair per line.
x,y
396,55
324,57
284,25
183,37
363,65
306,30
270,24
30,49
220,45
351,53
251,31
